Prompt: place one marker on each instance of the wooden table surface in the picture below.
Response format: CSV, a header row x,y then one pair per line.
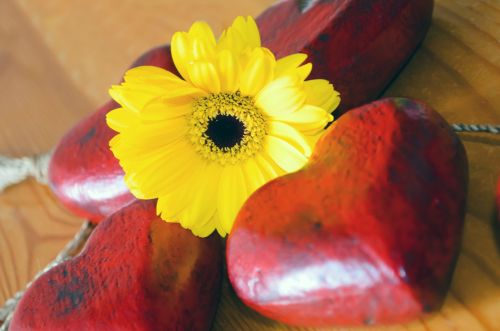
x,y
58,57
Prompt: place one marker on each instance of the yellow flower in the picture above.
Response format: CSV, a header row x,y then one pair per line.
x,y
201,144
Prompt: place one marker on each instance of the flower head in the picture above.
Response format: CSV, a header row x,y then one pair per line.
x,y
235,119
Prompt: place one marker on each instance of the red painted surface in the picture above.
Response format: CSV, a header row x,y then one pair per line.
x,y
136,272
83,173
359,45
368,232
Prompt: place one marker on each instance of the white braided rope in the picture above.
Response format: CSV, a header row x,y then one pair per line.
x,y
15,170
487,128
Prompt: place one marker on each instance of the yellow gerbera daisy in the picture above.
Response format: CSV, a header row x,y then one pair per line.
x,y
238,118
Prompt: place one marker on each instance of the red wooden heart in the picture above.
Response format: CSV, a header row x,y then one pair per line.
x,y
136,272
359,45
368,232
83,172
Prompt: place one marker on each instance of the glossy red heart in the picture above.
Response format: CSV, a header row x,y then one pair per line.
x,y
359,45
136,272
83,172
368,232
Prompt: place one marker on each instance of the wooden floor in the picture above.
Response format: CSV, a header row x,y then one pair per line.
x,y
58,57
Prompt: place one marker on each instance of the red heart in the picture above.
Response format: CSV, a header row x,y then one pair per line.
x,y
83,172
136,272
359,45
368,232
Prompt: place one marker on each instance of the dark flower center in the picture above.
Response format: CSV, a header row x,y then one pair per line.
x,y
226,127
225,131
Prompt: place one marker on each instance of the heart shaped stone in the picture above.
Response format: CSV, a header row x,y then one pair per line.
x,y
367,232
359,45
136,272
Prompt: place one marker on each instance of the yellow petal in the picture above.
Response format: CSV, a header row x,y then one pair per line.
x,y
132,99
181,96
162,110
164,172
290,65
291,135
121,119
170,205
313,136
322,94
284,154
134,160
247,28
143,84
202,51
154,76
303,71
202,204
181,52
115,141
204,230
148,135
132,186
130,152
308,118
204,76
182,160
254,176
202,42
281,97
228,69
258,72
231,196
202,31
233,41
242,34
267,166
178,198
220,229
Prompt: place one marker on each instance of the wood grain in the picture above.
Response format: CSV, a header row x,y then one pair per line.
x,y
57,59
